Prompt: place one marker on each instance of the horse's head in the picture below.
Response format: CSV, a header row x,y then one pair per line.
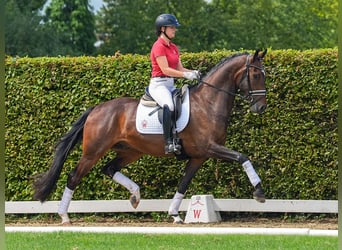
x,y
252,83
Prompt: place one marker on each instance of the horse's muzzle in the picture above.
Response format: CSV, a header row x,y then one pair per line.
x,y
258,108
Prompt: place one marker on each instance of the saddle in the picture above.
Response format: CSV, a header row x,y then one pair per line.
x,y
177,97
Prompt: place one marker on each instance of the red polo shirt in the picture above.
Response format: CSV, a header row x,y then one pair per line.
x,y
161,48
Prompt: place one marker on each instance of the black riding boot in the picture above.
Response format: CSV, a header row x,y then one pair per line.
x,y
167,129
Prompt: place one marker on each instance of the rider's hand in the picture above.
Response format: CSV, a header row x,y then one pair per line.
x,y
192,75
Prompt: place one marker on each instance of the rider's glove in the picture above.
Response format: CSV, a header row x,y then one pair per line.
x,y
192,75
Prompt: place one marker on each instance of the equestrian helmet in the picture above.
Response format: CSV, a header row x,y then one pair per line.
x,y
166,20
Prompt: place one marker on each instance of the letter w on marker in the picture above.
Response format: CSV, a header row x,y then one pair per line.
x,y
197,213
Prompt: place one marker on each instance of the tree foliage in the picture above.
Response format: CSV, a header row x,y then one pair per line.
x,y
220,24
24,36
74,22
68,27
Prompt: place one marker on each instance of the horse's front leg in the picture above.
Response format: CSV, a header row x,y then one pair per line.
x,y
190,170
221,152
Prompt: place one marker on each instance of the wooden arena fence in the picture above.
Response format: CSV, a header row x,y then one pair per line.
x,y
162,205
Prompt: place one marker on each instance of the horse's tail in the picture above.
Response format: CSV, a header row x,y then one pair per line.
x,y
45,183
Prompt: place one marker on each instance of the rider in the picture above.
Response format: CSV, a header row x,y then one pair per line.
x,y
166,65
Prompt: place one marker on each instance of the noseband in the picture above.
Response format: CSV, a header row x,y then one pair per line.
x,y
251,93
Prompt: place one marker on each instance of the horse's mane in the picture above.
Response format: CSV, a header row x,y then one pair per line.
x,y
224,61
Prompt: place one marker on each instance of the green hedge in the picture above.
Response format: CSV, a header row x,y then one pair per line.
x,y
293,145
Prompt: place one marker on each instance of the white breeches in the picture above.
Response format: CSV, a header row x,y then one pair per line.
x,y
161,89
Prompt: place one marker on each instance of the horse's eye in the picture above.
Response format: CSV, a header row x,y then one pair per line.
x,y
256,76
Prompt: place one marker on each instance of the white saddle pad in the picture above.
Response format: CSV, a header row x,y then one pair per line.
x,y
149,124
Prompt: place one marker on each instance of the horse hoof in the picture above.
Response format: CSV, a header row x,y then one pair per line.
x,y
177,219
260,199
65,219
259,195
134,201
66,224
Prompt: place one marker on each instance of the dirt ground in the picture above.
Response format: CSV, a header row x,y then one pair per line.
x,y
247,222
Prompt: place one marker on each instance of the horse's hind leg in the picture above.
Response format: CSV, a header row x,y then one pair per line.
x,y
74,178
191,168
112,169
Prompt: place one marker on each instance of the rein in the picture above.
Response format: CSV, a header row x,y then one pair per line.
x,y
251,93
222,90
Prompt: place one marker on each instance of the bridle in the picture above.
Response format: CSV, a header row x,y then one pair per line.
x,y
251,93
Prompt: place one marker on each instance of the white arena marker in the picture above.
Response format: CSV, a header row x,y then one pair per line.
x,y
202,209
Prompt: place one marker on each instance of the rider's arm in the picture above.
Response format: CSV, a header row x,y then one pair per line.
x,y
164,66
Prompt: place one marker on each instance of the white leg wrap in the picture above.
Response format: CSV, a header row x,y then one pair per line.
x,y
126,182
252,175
175,204
65,202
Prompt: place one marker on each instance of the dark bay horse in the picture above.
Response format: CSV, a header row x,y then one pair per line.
x,y
111,125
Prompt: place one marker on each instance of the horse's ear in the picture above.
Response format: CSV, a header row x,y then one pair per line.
x,y
256,55
263,54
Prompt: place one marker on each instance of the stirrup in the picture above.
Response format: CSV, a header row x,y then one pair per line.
x,y
169,148
177,149
172,147
177,145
